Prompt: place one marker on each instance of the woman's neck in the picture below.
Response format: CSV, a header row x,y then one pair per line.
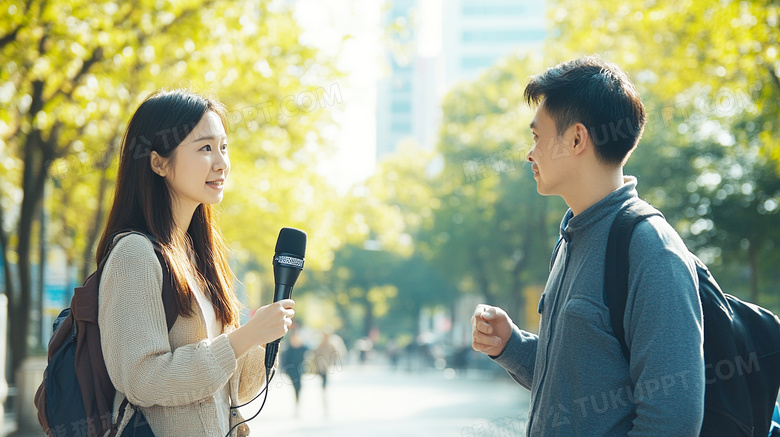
x,y
182,214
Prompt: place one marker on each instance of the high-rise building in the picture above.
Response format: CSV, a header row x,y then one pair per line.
x,y
445,41
479,32
397,89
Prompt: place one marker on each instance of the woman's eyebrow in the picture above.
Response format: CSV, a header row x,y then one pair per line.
x,y
211,137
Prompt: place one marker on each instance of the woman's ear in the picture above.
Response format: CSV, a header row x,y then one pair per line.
x,y
158,163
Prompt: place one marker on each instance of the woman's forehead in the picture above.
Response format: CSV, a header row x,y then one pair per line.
x,y
210,126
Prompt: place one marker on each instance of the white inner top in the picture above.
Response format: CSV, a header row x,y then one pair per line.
x,y
213,330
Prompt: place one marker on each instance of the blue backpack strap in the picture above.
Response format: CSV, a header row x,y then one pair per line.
x,y
616,264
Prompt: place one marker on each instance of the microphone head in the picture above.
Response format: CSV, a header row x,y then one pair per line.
x,y
291,241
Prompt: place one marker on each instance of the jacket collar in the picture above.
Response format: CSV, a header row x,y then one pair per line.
x,y
574,226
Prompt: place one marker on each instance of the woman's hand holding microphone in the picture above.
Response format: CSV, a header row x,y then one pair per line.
x,y
268,323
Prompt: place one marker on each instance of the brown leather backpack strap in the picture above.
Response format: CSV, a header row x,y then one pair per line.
x,y
169,295
115,426
168,292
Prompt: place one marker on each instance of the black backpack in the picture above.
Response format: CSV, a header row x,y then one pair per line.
x,y
76,396
741,340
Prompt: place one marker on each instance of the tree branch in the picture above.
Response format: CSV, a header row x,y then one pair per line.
x,y
36,101
49,146
98,53
11,36
182,15
774,76
60,152
95,57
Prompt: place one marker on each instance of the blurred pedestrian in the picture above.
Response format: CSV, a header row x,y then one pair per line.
x,y
294,363
391,348
330,352
327,356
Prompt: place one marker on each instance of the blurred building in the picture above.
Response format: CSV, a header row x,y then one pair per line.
x,y
433,44
406,80
479,32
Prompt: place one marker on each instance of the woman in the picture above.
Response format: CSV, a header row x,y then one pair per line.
x,y
173,166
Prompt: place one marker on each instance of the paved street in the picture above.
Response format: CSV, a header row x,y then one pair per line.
x,y
375,401
379,402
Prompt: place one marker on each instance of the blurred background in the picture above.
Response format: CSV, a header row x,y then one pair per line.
x,y
394,133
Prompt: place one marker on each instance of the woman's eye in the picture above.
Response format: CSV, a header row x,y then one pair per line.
x,y
207,148
224,146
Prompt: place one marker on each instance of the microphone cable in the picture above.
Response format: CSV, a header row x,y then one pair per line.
x,y
288,263
269,376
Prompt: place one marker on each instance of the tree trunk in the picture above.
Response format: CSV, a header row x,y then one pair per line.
x,y
8,280
8,287
19,314
37,330
88,258
38,154
368,320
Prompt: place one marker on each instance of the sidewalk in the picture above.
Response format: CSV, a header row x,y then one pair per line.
x,y
10,427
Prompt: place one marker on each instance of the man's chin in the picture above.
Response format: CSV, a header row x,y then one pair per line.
x,y
545,192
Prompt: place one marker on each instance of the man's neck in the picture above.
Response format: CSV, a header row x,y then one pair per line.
x,y
596,186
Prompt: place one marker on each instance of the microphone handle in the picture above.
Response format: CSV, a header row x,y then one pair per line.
x,y
281,291
271,349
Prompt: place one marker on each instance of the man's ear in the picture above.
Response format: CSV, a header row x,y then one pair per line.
x,y
581,139
158,163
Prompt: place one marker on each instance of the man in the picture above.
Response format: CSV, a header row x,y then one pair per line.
x,y
588,120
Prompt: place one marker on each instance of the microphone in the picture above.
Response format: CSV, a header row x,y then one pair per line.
x,y
288,263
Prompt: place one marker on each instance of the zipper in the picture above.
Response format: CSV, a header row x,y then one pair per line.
x,y
550,331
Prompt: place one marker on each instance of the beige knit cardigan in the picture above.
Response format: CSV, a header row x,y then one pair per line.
x,y
172,376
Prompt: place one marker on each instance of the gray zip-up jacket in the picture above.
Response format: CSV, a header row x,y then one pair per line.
x,y
580,383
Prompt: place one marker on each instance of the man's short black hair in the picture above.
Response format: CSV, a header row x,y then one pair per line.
x,y
597,94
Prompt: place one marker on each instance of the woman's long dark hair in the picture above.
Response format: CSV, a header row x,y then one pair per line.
x,y
143,202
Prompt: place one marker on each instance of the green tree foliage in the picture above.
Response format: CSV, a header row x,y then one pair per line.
x,y
720,192
708,74
74,71
382,276
492,233
707,55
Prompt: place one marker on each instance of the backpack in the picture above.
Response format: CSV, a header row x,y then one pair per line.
x,y
741,340
76,397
